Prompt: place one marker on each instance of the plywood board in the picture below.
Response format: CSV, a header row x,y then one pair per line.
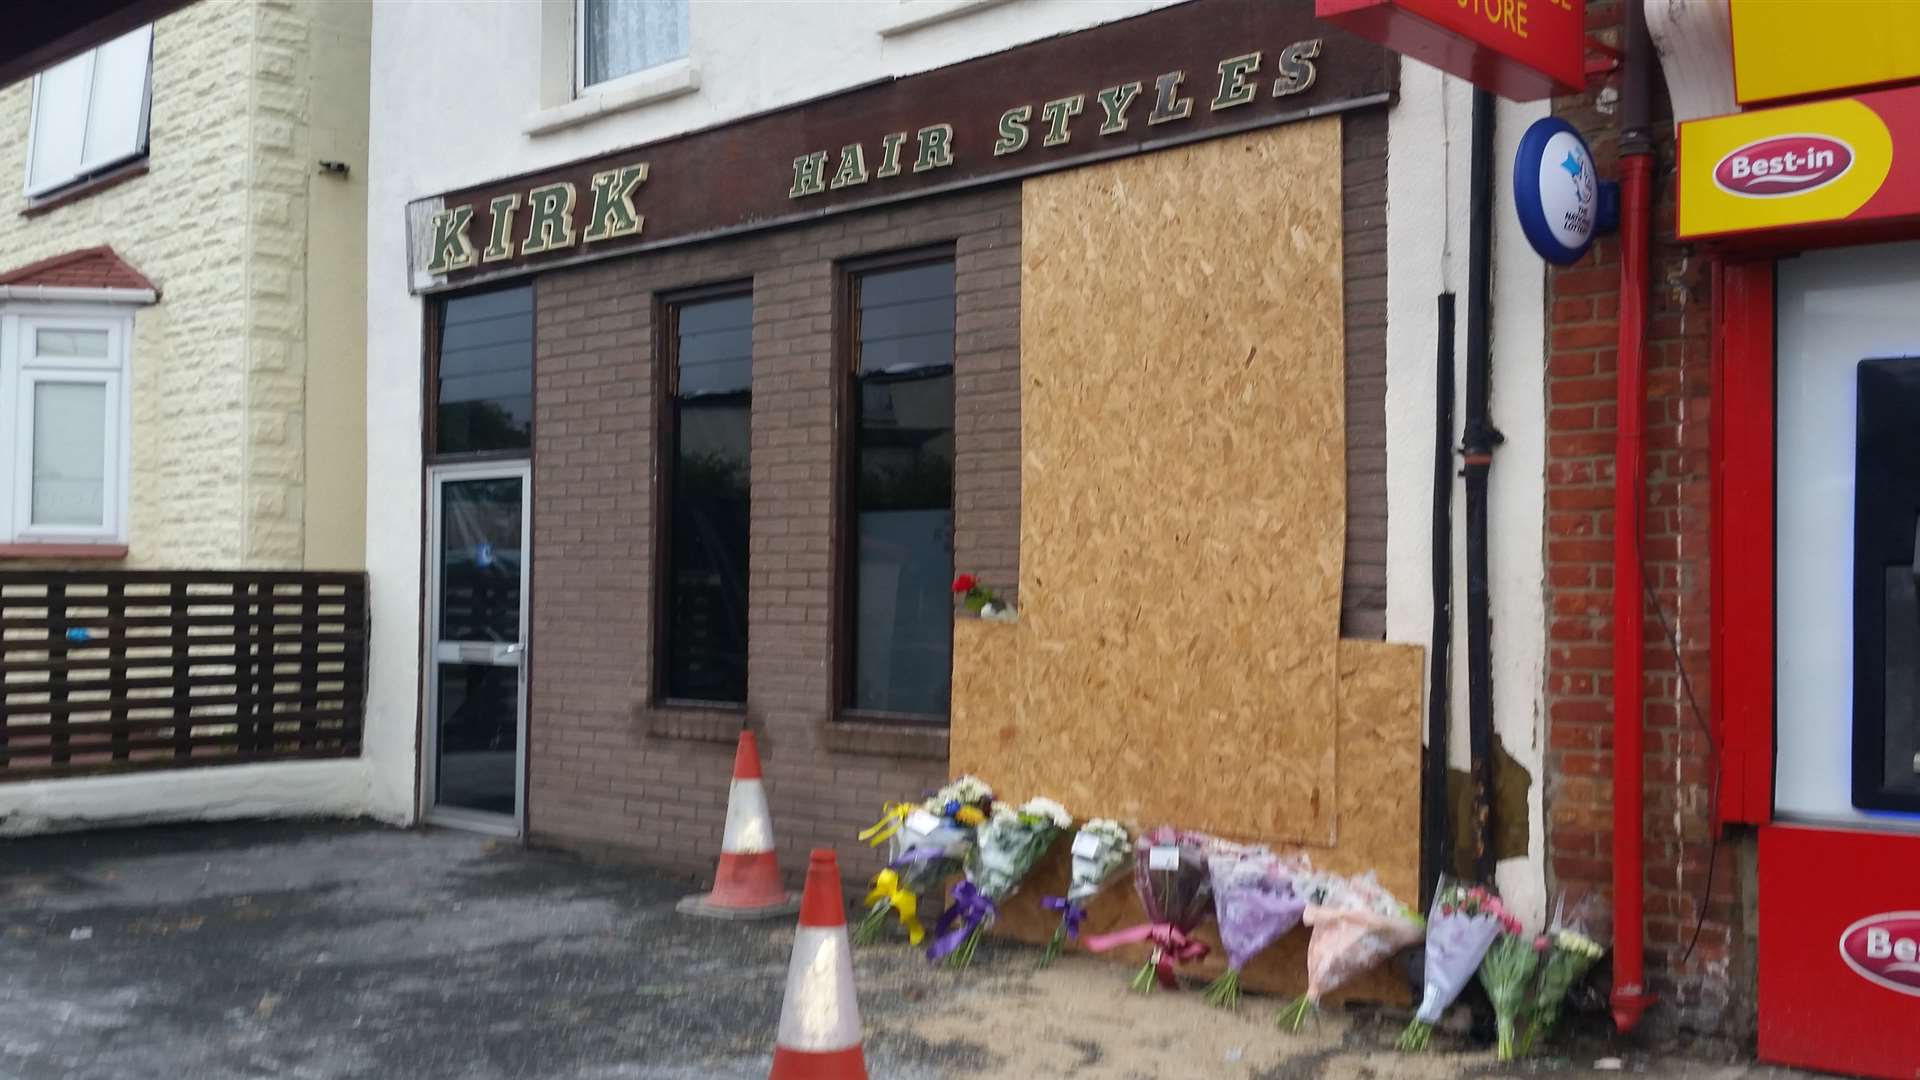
x,y
1182,486
1379,748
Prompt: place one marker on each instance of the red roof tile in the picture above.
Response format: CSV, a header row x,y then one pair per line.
x,y
91,268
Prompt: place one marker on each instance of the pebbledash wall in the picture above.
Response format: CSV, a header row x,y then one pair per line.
x,y
248,374
614,776
1701,925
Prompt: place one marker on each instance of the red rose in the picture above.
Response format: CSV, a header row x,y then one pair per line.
x,y
965,583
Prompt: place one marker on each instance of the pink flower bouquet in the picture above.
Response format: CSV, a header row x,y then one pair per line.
x,y
1356,925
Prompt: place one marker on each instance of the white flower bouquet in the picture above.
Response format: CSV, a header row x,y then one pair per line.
x,y
1003,854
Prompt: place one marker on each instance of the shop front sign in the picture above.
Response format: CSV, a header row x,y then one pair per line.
x,y
1840,961
1785,50
1522,50
1833,166
1188,72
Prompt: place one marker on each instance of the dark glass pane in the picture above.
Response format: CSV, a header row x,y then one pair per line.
x,y
480,532
484,400
706,647
479,706
716,346
903,609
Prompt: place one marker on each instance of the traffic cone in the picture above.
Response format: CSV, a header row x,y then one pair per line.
x,y
747,885
820,1018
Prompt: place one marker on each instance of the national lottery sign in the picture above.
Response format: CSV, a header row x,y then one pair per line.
x,y
1559,196
1837,167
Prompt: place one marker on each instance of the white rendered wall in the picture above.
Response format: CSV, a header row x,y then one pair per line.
x,y
1429,145
454,85
278,789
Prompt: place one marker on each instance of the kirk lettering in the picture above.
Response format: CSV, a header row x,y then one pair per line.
x,y
551,221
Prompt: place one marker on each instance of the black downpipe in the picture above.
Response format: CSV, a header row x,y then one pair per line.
x,y
1478,439
1434,834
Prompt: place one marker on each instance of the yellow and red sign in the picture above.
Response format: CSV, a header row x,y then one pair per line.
x,y
1788,50
1829,165
1522,50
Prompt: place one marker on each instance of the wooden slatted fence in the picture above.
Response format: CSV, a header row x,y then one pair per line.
x,y
114,670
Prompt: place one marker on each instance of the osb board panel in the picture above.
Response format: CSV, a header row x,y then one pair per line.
x,y
1182,485
1379,698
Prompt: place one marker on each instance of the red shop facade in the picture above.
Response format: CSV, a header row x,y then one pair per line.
x,y
1779,501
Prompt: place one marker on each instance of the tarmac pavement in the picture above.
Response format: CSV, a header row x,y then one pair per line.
x,y
329,951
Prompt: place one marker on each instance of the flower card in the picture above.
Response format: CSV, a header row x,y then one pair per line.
x,y
1087,845
922,823
1165,857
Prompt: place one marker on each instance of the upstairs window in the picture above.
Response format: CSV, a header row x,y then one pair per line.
x,y
707,430
621,37
90,113
901,393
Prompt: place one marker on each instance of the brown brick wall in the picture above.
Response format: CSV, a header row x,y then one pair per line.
x,y
1710,990
610,775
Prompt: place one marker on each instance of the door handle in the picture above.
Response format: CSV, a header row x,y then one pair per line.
x,y
509,652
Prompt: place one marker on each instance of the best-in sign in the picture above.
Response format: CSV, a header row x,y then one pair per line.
x,y
1828,166
1522,50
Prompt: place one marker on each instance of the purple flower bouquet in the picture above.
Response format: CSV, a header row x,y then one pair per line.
x,y
1255,904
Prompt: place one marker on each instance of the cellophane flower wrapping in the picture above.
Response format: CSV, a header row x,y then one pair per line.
x,y
1507,972
1576,938
1461,926
1100,851
1004,853
1175,902
1357,925
921,859
1255,905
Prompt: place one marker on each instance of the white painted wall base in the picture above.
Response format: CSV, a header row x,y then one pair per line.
x,y
268,790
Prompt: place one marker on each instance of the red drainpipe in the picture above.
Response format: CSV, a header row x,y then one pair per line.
x,y
1630,999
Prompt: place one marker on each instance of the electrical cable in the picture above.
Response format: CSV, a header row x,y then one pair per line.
x,y
1713,753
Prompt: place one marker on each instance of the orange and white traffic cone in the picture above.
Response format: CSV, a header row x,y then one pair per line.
x,y
820,1018
747,885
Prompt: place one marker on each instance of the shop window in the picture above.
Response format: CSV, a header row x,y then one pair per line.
x,y
900,656
706,431
621,37
1886,582
63,392
483,374
90,113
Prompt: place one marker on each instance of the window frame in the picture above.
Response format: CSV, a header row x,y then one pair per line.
x,y
22,369
582,88
88,173
434,314
846,506
666,388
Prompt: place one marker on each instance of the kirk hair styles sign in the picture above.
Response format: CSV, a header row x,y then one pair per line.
x,y
1188,72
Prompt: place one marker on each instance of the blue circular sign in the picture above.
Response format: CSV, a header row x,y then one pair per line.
x,y
1556,191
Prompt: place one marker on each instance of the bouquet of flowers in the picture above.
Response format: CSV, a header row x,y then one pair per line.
x,y
1170,874
1506,973
1460,928
1100,850
1009,845
1570,947
1255,904
981,600
929,840
1356,926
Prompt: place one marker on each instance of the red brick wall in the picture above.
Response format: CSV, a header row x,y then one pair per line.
x,y
1711,989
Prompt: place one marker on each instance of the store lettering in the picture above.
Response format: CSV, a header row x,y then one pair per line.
x,y
1508,15
550,223
1236,81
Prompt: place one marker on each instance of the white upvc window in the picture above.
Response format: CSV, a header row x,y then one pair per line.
x,y
618,38
90,113
64,403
